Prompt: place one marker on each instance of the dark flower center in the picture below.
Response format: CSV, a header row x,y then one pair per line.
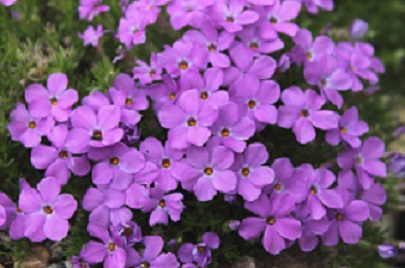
x,y
19,209
162,203
343,130
251,104
63,154
254,45
201,249
114,161
145,264
84,264
183,65
313,190
111,246
152,73
212,47
166,163
359,196
208,171
308,55
339,216
273,20
129,101
323,82
304,113
191,122
204,95
128,231
32,125
47,210
358,160
136,31
225,132
97,135
245,172
270,220
230,19
277,187
54,101
172,96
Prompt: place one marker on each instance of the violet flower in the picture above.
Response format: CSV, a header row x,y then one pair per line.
x,y
314,5
131,31
252,174
81,260
91,35
349,129
8,211
57,159
148,73
47,211
88,9
387,251
189,120
302,112
152,257
200,253
8,3
130,232
185,12
164,93
275,222
397,165
358,29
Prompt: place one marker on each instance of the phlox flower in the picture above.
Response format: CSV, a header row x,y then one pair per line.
x,y
88,9
91,35
200,253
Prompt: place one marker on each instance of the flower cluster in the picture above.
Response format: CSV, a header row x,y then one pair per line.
x,y
212,90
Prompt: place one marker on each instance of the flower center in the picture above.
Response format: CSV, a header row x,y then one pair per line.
x,y
308,55
84,264
359,196
225,132
19,209
145,264
201,249
208,171
304,113
251,104
183,65
323,83
245,172
277,186
54,101
191,122
254,45
358,160
204,95
273,20
172,96
148,7
63,154
152,73
97,135
230,19
313,190
166,163
32,125
212,47
129,101
114,161
136,31
128,231
343,130
162,203
111,247
270,220
47,210
339,216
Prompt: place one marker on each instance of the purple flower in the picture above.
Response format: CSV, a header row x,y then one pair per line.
x,y
81,260
26,128
47,211
232,16
148,9
125,95
232,129
214,42
91,35
252,175
320,196
57,159
183,58
275,221
387,251
130,232
8,3
312,5
234,225
374,197
200,253
185,12
166,92
152,257
275,19
56,101
189,120
208,85
258,100
116,165
349,129
8,211
358,29
308,50
131,31
94,130
397,165
165,158
206,171
302,111
346,222
88,9
366,161
15,214
147,74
